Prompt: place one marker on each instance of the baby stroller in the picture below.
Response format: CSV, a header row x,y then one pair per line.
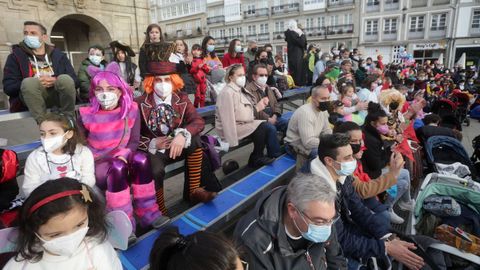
x,y
426,222
443,107
446,155
462,101
475,109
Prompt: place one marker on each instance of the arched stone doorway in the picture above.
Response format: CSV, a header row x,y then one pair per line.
x,y
73,34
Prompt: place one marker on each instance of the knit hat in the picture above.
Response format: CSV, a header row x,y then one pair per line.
x,y
158,54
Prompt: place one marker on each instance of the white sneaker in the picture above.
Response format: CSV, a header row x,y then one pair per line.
x,y
406,206
394,218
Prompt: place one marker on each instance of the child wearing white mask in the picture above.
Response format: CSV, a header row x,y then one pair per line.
x,y
62,154
62,226
96,57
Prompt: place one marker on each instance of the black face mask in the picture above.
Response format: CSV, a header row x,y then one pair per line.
x,y
356,147
264,61
324,105
253,50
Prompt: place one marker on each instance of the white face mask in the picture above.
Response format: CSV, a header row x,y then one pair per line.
x,y
53,143
108,100
262,80
240,81
238,49
65,245
95,59
163,89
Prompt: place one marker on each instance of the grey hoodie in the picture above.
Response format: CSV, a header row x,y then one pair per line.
x,y
262,235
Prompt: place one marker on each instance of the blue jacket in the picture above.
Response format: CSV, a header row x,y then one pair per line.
x,y
358,229
18,67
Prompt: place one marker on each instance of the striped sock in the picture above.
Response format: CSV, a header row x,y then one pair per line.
x,y
161,201
194,167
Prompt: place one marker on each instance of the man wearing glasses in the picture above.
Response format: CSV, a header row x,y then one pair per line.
x,y
293,228
362,235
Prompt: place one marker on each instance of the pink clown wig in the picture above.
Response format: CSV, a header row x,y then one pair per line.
x,y
111,74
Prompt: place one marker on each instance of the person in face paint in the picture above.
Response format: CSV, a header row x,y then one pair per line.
x,y
111,125
361,234
38,76
171,129
96,57
62,225
293,227
62,154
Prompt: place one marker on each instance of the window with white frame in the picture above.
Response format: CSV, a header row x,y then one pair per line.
x,y
311,2
231,32
390,26
321,22
252,30
371,27
476,19
279,26
309,23
348,18
373,3
239,31
416,23
333,20
439,22
251,9
263,28
222,33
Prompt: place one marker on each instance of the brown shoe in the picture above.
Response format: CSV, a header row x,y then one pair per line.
x,y
201,195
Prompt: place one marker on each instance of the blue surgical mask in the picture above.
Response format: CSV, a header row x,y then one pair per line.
x,y
346,168
33,42
315,233
95,59
210,48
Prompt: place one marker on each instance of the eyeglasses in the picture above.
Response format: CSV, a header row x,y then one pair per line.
x,y
323,223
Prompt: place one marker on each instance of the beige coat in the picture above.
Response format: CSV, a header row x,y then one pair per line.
x,y
234,114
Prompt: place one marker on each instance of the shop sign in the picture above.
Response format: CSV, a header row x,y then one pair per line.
x,y
428,46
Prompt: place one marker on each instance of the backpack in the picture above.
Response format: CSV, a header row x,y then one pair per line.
x,y
8,165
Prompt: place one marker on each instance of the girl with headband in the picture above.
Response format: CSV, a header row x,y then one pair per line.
x,y
62,226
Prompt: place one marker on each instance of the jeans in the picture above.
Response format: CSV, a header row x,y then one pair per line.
x,y
403,188
306,167
273,145
282,125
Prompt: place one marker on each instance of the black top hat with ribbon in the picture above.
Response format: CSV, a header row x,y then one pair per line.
x,y
157,55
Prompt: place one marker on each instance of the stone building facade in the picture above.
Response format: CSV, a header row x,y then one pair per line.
x,y
74,25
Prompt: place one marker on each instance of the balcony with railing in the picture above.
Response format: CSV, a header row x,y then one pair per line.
x,y
416,33
287,8
335,4
340,29
188,33
216,19
263,37
389,35
419,3
278,35
438,31
373,6
371,36
315,31
391,5
255,13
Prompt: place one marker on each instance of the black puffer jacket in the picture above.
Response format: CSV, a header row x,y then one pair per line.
x,y
262,234
377,155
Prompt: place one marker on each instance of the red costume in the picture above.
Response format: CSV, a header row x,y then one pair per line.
x,y
199,72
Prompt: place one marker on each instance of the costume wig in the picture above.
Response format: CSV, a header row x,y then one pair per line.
x,y
111,75
177,82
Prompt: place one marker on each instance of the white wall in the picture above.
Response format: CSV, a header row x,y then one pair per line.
x,y
464,20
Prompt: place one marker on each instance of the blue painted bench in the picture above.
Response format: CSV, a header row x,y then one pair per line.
x,y
214,214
